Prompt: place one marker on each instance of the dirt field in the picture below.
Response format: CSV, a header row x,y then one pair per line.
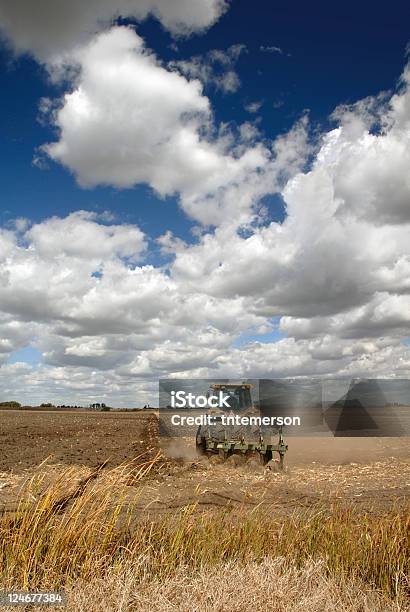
x,y
86,438
374,473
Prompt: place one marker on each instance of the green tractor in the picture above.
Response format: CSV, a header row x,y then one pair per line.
x,y
250,441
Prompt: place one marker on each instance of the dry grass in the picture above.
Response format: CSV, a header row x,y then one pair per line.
x,y
73,536
273,584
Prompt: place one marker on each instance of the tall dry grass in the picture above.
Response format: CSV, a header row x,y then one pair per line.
x,y
273,584
92,534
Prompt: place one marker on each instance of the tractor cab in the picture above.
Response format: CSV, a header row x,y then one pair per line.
x,y
240,399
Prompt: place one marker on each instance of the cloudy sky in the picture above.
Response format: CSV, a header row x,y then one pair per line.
x,y
201,188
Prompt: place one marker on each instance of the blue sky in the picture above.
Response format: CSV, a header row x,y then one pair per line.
x,y
250,222
332,54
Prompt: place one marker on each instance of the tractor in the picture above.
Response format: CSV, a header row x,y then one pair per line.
x,y
249,441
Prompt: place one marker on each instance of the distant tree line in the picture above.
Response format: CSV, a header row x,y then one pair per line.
x,y
13,405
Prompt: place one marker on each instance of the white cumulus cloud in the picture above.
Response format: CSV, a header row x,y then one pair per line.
x,y
129,120
335,271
